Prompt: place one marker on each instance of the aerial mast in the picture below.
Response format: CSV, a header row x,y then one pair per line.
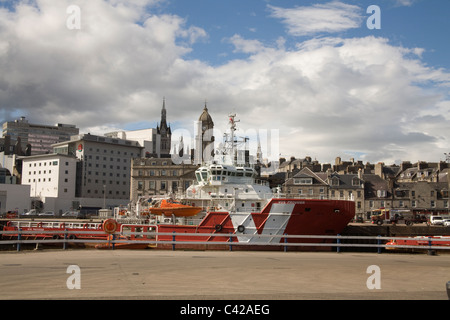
x,y
232,130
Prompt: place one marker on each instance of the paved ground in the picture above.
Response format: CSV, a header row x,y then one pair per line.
x,y
198,275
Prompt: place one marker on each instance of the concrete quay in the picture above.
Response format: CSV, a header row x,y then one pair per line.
x,y
219,275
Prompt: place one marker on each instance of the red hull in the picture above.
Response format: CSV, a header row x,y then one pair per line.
x,y
257,230
279,217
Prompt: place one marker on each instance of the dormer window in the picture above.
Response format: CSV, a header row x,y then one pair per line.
x,y
303,181
335,181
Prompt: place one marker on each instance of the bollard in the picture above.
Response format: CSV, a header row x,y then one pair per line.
x,y
448,289
231,241
285,247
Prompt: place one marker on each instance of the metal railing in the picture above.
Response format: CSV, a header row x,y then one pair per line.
x,y
378,242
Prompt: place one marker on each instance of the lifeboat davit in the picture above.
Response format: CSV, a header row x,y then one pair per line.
x,y
169,207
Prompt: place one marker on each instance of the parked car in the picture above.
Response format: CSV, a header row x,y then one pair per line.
x,y
71,214
47,214
436,220
32,212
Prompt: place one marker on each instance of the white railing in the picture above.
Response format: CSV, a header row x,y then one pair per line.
x,y
333,241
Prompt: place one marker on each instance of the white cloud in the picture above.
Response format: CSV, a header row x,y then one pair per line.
x,y
329,17
328,97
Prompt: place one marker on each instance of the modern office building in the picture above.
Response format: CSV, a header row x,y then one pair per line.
x,y
104,166
38,137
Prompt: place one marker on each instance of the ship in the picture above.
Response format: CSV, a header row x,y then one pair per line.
x,y
228,204
237,202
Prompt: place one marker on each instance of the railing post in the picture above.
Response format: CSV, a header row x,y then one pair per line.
x,y
379,243
173,239
430,251
338,248
113,240
19,238
65,240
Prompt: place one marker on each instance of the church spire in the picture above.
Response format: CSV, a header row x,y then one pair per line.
x,y
164,131
163,115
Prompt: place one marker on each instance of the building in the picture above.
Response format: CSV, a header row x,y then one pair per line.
x,y
159,176
164,176
156,142
52,179
421,187
14,198
37,138
204,138
306,184
103,170
164,132
376,192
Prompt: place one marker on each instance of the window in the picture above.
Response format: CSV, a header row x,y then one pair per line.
x,y
381,193
335,181
303,181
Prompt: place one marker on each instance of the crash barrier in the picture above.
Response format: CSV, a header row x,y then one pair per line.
x,y
379,242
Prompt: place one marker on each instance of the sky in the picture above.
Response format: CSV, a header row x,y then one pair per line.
x,y
323,79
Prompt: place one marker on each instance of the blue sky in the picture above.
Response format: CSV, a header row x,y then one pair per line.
x,y
420,23
310,69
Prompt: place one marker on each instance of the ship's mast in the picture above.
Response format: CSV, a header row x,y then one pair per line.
x,y
232,130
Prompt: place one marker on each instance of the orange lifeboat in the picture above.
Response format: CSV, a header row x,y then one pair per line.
x,y
170,207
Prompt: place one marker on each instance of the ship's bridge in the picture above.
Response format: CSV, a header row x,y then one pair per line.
x,y
222,174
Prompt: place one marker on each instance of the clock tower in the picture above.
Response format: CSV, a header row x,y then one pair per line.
x,y
204,137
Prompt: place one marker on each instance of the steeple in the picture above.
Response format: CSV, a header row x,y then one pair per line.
x,y
164,131
163,126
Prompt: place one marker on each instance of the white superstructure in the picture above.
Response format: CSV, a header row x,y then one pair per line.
x,y
225,185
